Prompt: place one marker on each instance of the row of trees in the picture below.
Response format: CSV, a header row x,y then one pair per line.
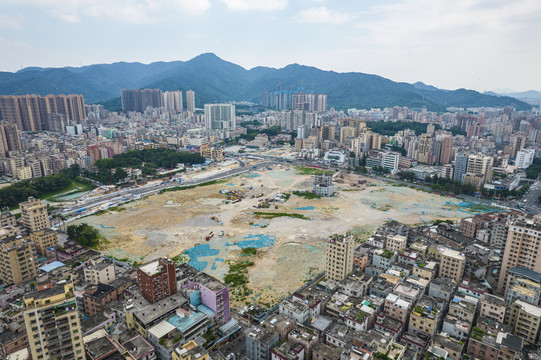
x,y
532,172
12,195
447,185
150,159
390,128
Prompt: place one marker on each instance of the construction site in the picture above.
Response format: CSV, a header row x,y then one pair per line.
x,y
273,213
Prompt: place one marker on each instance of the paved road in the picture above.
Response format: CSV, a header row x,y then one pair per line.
x,y
531,204
132,192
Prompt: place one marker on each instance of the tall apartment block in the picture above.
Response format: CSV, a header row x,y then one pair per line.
x,y
220,116
140,99
17,257
525,320
52,324
452,264
446,153
34,215
259,343
481,165
521,249
44,239
172,101
339,262
461,163
31,112
190,101
9,138
523,284
309,102
157,279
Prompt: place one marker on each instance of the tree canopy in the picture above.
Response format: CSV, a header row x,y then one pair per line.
x,y
84,234
390,128
12,195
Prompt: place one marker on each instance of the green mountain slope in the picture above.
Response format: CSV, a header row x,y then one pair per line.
x,y
214,80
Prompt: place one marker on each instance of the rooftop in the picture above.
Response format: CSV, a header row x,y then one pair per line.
x,y
529,308
493,300
448,342
183,320
137,346
327,352
55,290
8,336
279,321
321,323
452,254
96,349
152,268
147,312
388,322
99,290
444,284
52,266
510,341
260,334
102,265
527,273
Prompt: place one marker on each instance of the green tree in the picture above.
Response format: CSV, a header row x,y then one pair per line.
x,y
119,175
84,234
406,175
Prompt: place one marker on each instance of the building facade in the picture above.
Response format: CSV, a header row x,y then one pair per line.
x,y
52,324
339,261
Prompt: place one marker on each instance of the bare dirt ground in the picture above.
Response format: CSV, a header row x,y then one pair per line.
x,y
291,250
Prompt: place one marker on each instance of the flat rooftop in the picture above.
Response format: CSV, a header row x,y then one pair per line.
x,y
151,268
137,346
183,323
147,312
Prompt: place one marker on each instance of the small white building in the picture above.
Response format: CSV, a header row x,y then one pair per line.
x,y
524,158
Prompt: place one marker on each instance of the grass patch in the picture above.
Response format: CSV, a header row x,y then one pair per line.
x,y
270,215
117,208
250,251
128,261
304,170
177,188
74,185
306,195
238,273
181,258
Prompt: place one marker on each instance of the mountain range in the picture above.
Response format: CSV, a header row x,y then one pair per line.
x,y
215,80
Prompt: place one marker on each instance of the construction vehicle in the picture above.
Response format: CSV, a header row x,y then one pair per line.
x,y
209,236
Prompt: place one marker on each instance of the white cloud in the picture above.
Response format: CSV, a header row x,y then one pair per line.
x,y
322,15
67,17
12,22
131,11
464,43
260,5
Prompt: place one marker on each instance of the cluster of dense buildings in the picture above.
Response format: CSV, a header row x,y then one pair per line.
x,y
59,300
452,291
423,293
53,132
471,159
40,136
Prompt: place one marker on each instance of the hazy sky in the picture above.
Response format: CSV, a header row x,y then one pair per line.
x,y
481,45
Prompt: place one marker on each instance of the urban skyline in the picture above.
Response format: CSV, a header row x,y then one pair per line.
x,y
460,45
